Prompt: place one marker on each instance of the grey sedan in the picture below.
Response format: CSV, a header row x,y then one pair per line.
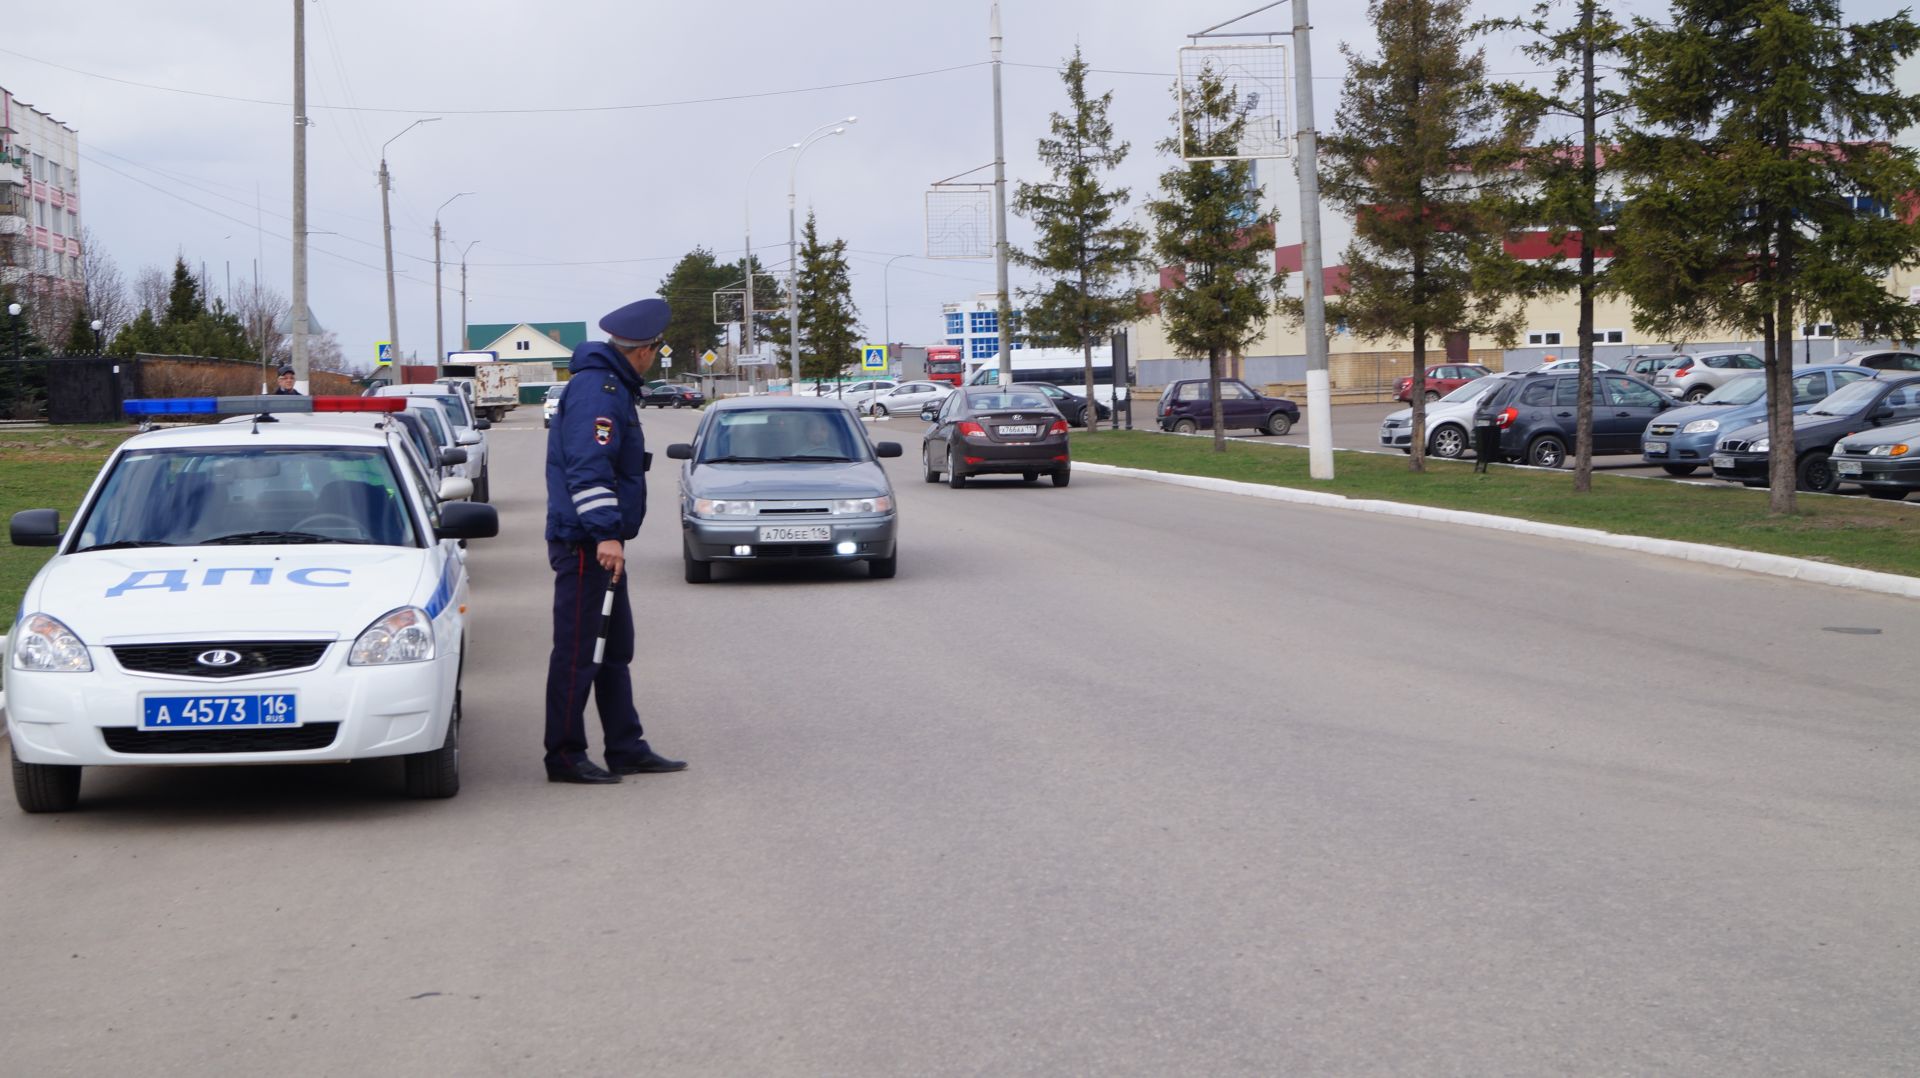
x,y
784,478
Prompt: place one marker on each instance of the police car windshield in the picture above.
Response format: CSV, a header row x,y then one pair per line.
x,y
758,436
244,495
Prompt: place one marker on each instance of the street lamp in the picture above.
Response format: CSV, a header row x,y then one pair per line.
x,y
13,323
99,342
746,326
386,226
439,321
886,304
464,345
838,127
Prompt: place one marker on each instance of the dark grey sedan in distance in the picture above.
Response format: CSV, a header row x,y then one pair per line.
x,y
784,478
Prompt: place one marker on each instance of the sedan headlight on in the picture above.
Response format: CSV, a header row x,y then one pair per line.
x,y
846,506
1897,449
43,643
400,636
1701,426
716,507
1760,445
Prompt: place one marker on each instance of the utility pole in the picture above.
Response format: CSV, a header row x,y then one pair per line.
x,y
464,344
299,313
793,258
1313,289
1000,209
439,320
386,228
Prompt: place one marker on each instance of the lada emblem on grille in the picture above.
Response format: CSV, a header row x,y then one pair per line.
x,y
217,657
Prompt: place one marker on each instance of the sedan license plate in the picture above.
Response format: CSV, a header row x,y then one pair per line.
x,y
212,712
1847,467
1028,429
1656,447
812,534
1721,460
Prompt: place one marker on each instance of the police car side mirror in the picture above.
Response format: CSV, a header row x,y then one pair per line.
x,y
483,424
453,456
679,451
887,449
468,439
35,527
455,489
468,520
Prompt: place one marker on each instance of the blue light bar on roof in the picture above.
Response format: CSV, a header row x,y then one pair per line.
x,y
260,405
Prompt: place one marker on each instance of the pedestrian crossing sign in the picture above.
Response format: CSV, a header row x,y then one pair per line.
x,y
383,350
873,357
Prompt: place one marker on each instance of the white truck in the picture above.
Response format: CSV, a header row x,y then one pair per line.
x,y
495,385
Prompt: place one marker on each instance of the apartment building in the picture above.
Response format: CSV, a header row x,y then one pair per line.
x,y
39,203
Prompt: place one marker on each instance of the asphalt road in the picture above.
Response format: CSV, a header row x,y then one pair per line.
x,y
1117,779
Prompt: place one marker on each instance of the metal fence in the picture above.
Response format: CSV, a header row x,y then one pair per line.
x,y
91,388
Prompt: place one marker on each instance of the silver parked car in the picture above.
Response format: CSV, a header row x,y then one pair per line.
x,y
784,478
1449,421
1692,377
907,398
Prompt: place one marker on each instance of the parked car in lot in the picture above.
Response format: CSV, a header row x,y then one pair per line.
x,y
1071,405
672,395
550,404
784,479
1441,380
1884,359
1570,366
856,391
1185,408
1449,421
1881,401
1692,377
244,593
1536,415
907,398
1884,462
1006,430
1682,440
1646,365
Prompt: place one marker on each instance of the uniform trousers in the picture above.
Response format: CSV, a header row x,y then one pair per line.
x,y
579,590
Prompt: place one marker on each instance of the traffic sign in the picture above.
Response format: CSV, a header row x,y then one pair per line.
x,y
383,352
752,359
873,357
709,358
666,350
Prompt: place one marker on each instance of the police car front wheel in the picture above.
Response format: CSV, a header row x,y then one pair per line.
x,y
45,787
436,772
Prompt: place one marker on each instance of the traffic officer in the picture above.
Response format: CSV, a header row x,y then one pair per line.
x,y
285,388
596,498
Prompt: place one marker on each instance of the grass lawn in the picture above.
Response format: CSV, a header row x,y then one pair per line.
x,y
1841,530
45,469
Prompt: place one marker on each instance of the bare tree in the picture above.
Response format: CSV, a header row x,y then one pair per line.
x,y
105,289
324,354
262,311
151,287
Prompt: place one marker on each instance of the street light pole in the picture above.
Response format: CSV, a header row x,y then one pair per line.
x,y
886,305
746,212
1000,209
464,344
439,320
793,264
1313,287
386,227
298,321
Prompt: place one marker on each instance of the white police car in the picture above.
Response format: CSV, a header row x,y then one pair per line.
x,y
244,593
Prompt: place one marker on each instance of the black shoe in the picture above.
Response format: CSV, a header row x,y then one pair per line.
x,y
651,763
586,773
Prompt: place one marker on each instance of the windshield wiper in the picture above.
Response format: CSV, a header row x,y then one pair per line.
x,y
739,460
123,544
241,538
817,456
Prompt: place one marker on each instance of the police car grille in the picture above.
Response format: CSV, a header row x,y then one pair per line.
x,y
314,735
183,660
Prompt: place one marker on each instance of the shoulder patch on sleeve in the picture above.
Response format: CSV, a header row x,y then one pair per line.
x,y
602,429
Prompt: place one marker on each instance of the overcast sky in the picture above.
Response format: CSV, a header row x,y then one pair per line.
x,y
578,212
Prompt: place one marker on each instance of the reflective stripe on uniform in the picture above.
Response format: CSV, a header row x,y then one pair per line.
x,y
591,492
597,503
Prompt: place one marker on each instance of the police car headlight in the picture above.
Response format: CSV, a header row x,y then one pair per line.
x,y
714,507
43,643
1701,426
401,636
862,505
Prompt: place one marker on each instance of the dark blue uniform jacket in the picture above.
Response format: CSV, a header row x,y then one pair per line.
x,y
596,454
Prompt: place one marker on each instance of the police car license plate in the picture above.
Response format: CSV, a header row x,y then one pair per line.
x,y
1028,429
212,712
1656,447
819,534
1847,467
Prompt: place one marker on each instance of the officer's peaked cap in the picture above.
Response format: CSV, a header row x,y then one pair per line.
x,y
286,370
640,321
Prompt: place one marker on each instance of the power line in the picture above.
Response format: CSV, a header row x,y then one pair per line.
x,y
543,110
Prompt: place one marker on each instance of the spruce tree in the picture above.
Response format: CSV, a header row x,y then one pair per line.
x,y
1565,195
829,322
1213,239
1766,183
1088,255
1420,158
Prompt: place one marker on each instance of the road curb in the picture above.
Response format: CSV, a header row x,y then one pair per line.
x,y
1750,561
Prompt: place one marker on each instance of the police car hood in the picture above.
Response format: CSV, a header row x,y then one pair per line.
x,y
318,591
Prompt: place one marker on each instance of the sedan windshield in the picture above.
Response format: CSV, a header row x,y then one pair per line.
x,y
1849,398
1470,391
760,435
1742,390
245,495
